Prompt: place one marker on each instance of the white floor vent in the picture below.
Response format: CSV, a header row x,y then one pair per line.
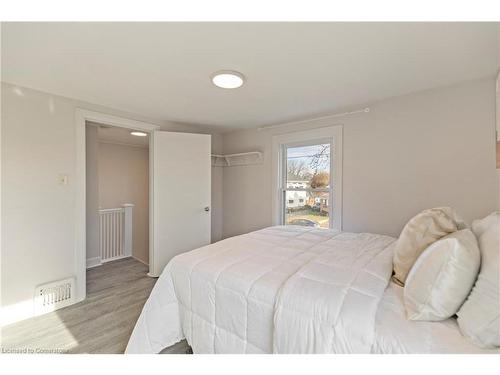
x,y
55,295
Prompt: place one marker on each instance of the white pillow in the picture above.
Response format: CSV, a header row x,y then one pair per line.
x,y
442,277
479,317
420,232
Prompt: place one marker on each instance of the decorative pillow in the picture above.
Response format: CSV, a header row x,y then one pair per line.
x,y
479,317
421,231
442,277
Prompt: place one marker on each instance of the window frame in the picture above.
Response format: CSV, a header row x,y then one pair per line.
x,y
332,135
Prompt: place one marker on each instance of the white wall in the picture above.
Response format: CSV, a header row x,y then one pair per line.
x,y
124,178
409,153
38,214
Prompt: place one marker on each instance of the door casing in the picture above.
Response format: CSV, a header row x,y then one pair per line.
x,y
81,117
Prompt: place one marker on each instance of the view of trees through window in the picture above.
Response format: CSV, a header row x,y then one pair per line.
x,y
307,191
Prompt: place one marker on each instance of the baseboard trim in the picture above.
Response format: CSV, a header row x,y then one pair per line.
x,y
94,262
116,258
140,260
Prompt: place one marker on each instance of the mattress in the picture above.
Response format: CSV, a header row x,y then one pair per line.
x,y
287,289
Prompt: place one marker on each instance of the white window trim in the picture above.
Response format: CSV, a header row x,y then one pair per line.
x,y
334,133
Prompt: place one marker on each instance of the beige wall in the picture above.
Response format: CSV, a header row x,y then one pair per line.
x,y
409,153
124,178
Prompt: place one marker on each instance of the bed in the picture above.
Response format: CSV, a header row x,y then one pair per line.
x,y
288,289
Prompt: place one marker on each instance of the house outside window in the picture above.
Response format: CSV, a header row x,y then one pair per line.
x,y
307,167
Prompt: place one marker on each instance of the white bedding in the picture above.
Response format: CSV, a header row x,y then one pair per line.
x,y
395,334
282,290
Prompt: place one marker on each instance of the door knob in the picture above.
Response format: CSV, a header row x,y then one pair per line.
x,y
207,209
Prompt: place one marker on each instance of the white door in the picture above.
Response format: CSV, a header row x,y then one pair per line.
x,y
181,195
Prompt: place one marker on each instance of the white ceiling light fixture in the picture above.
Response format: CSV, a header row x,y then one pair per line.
x,y
139,134
228,79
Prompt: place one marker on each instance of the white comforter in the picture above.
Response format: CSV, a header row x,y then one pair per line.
x,y
394,334
277,290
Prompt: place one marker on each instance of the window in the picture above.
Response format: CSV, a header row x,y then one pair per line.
x,y
306,174
307,168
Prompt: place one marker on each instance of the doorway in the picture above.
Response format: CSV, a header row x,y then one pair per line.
x,y
82,117
179,192
117,194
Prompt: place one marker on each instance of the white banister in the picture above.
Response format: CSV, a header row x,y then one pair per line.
x,y
115,232
104,210
128,207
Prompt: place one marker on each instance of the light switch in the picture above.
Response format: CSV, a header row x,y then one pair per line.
x,y
63,179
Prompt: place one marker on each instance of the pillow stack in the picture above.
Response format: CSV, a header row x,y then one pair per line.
x,y
438,259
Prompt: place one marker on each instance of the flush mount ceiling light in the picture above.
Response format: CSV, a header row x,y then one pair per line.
x,y
228,79
139,134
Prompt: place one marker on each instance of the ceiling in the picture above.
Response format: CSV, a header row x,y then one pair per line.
x,y
114,134
293,70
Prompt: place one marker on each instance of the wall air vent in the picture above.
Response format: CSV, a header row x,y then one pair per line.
x,y
53,296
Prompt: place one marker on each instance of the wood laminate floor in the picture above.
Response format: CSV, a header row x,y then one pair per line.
x,y
116,292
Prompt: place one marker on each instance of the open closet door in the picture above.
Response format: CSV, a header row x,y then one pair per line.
x,y
181,195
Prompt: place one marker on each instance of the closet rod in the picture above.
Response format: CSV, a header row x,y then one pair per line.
x,y
269,127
